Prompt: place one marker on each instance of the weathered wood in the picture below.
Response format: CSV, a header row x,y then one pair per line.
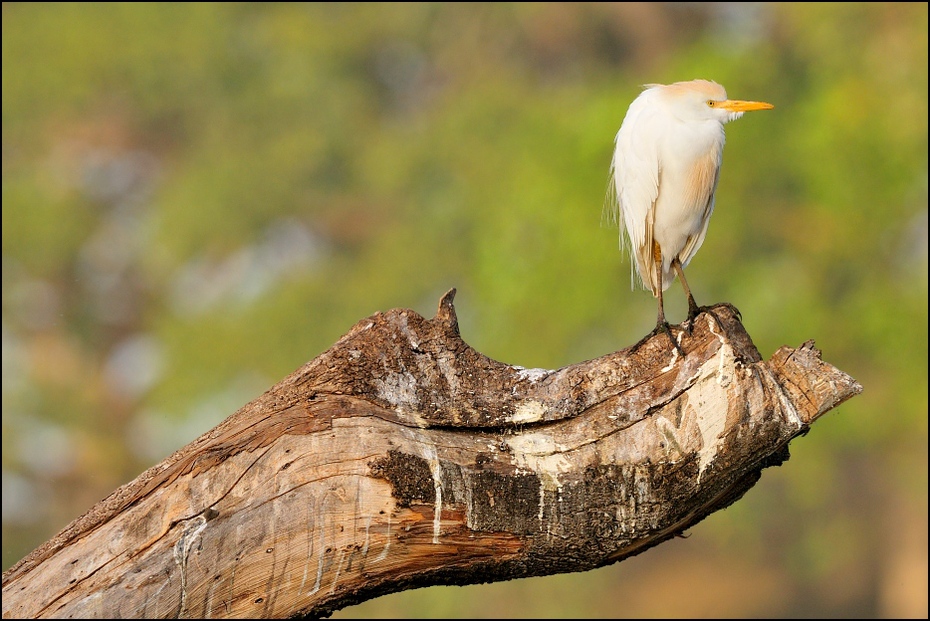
x,y
401,457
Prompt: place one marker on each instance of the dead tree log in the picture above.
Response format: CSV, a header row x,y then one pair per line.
x,y
402,458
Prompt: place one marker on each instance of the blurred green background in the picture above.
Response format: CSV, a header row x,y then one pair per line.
x,y
197,199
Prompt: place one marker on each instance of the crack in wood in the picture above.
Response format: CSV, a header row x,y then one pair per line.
x,y
402,457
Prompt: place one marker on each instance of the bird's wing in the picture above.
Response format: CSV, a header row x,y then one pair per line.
x,y
635,171
694,242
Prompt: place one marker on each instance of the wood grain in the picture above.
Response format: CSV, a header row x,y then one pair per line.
x,y
401,457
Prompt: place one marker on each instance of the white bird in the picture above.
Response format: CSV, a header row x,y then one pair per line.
x,y
664,174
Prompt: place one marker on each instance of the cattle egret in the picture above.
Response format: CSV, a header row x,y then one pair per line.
x,y
663,176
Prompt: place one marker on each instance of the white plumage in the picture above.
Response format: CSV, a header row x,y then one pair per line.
x,y
664,174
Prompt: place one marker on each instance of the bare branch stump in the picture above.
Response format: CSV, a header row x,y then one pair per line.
x,y
402,458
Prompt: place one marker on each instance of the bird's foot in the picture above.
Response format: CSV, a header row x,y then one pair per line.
x,y
664,327
732,308
695,311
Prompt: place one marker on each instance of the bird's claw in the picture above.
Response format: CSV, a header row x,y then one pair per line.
x,y
664,327
710,311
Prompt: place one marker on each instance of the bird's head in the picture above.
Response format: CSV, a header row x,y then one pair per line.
x,y
704,100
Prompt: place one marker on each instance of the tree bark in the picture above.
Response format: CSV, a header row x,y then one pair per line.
x,y
401,457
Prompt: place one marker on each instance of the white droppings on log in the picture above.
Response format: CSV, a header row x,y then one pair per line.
x,y
528,412
542,507
387,541
182,550
538,452
342,555
709,402
398,389
367,536
672,444
320,522
531,375
432,458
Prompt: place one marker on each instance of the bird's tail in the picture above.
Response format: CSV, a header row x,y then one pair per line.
x,y
610,211
612,216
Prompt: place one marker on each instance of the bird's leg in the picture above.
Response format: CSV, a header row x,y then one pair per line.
x,y
661,323
693,309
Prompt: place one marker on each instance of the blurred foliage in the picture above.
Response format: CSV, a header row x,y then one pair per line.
x,y
198,198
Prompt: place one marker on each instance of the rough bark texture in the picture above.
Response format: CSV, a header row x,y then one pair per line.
x,y
402,457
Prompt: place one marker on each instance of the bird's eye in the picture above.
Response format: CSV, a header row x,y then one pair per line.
x,y
711,103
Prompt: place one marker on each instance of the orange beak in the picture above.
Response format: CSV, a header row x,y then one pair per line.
x,y
736,105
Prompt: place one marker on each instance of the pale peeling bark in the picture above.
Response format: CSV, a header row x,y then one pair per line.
x,y
403,458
